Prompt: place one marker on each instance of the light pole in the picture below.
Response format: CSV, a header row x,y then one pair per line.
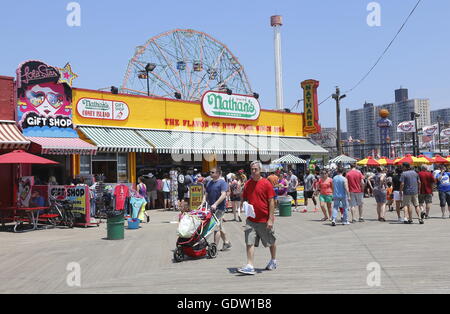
x,y
415,138
145,74
439,134
337,96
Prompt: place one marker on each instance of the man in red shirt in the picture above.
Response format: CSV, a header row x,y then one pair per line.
x,y
259,193
356,187
426,191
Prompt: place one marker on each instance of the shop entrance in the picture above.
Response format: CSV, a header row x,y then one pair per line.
x,y
106,168
59,173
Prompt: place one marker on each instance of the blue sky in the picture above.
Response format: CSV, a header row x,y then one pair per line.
x,y
327,40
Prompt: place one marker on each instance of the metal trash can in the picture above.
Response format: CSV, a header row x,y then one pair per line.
x,y
115,225
284,206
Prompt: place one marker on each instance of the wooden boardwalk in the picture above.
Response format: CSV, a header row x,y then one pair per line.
x,y
313,258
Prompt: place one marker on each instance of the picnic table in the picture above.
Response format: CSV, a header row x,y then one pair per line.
x,y
18,215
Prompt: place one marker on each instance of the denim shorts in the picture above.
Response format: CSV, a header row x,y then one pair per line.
x,y
444,197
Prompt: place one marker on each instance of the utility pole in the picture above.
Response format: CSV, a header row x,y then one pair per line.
x,y
439,134
415,134
337,96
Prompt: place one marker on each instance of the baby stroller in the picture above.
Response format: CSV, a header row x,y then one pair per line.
x,y
197,245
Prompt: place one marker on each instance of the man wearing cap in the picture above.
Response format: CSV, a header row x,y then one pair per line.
x,y
151,184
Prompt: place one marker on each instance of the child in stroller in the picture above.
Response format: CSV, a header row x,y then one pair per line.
x,y
197,245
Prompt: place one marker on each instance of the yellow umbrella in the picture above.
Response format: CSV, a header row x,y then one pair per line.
x,y
369,161
385,161
421,161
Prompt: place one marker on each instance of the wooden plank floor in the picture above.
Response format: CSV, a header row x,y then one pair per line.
x,y
313,258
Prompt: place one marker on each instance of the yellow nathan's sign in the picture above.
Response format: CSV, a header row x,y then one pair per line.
x,y
98,108
311,106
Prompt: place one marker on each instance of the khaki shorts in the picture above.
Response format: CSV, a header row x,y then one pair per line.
x,y
356,199
425,198
408,199
255,231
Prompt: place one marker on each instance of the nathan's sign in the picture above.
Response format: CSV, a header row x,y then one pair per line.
x,y
222,105
102,109
406,127
311,107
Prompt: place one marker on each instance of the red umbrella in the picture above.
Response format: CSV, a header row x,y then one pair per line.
x,y
440,160
385,161
22,157
408,159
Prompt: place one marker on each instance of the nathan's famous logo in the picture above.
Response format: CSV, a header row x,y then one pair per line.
x,y
406,126
230,106
430,130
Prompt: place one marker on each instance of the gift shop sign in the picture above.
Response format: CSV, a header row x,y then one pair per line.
x,y
102,109
222,105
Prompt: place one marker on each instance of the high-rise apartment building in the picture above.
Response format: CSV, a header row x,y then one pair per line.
x,y
362,123
444,115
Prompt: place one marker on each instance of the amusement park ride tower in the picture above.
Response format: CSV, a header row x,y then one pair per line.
x,y
276,22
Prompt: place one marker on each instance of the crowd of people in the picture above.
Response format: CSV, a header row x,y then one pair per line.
x,y
402,187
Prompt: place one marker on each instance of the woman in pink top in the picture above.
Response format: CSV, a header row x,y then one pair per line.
x,y
325,190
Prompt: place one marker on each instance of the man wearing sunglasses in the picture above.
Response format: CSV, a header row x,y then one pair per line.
x,y
216,194
260,194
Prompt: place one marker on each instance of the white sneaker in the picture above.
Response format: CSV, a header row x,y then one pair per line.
x,y
401,220
247,269
272,265
333,222
345,223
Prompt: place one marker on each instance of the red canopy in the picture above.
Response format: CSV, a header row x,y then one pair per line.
x,y
440,160
408,159
22,157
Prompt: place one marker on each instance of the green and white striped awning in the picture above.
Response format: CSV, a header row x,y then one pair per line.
x,y
289,159
343,159
196,142
113,139
284,145
116,140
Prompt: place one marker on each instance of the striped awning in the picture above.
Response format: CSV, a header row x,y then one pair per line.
x,y
289,159
11,137
116,140
284,145
112,139
343,159
63,146
167,141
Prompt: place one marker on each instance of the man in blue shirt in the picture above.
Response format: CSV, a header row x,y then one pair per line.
x,y
341,196
443,184
216,194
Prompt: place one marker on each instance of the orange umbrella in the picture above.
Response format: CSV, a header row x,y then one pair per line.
x,y
385,161
369,161
440,160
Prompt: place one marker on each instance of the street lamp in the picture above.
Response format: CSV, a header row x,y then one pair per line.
x,y
414,117
439,134
144,74
337,96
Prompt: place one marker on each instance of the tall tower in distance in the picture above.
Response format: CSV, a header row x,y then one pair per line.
x,y
276,22
401,94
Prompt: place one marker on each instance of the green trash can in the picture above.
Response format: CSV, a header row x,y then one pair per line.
x,y
115,227
285,206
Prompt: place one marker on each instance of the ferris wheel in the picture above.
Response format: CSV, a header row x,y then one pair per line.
x,y
184,64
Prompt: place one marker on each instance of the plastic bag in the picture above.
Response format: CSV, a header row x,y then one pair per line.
x,y
187,226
